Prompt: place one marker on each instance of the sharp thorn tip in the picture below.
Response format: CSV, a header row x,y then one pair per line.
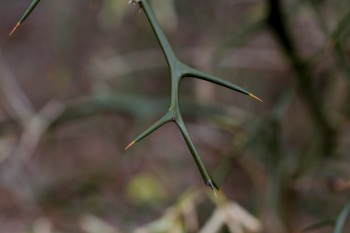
x,y
215,194
213,187
255,97
130,145
14,29
222,194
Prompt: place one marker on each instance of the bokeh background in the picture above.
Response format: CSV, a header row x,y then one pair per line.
x,y
80,79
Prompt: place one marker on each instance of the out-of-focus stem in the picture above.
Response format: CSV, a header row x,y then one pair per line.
x,y
277,23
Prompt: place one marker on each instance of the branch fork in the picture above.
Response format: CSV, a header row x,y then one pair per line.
x,y
178,71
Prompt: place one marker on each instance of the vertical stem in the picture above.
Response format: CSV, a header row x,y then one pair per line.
x,y
192,149
176,74
163,41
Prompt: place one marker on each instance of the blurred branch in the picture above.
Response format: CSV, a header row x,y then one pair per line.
x,y
239,58
334,39
342,218
246,32
277,23
35,128
33,124
120,104
17,102
92,224
183,217
134,106
317,226
237,219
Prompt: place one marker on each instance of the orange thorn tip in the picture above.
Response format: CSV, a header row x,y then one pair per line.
x,y
130,145
215,194
14,29
218,193
255,97
221,194
213,187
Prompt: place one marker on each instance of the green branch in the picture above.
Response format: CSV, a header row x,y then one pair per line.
x,y
179,70
26,14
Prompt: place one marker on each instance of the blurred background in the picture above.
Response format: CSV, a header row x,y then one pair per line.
x,y
80,79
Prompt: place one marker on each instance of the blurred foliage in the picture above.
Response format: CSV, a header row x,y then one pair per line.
x,y
145,189
78,79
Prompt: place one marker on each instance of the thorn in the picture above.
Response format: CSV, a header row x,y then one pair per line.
x,y
255,97
222,194
130,145
14,29
214,190
213,187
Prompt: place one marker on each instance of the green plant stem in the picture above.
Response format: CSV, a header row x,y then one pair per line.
x,y
29,10
163,41
179,70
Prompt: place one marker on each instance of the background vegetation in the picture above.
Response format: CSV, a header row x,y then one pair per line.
x,y
79,79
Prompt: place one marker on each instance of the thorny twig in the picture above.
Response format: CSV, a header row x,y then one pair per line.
x,y
178,71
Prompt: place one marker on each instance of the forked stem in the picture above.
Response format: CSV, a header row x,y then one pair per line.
x,y
166,118
179,70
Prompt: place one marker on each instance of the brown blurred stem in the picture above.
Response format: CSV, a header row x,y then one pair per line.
x,y
278,25
276,20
